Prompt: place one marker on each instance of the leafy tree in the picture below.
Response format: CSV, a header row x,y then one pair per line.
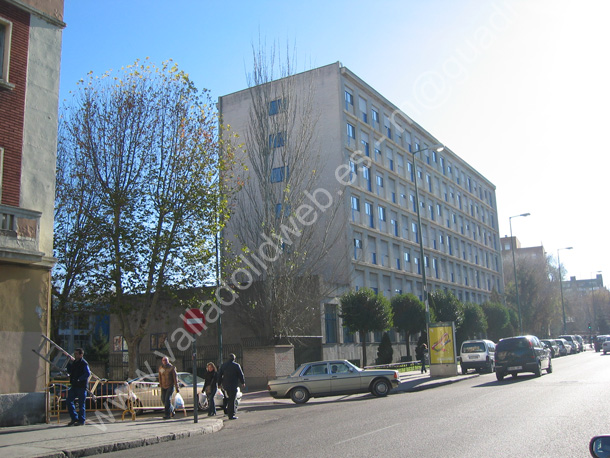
x,y
447,307
498,320
364,311
475,322
385,352
140,150
409,315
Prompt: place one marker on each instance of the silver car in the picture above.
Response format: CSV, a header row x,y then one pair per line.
x,y
329,378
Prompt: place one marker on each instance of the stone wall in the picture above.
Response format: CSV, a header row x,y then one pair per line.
x,y
262,364
22,409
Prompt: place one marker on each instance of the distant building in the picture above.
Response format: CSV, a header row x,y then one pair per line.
x,y
380,246
586,285
533,252
30,54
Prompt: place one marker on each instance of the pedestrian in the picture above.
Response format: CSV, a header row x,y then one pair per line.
x,y
424,357
210,386
231,376
79,372
168,380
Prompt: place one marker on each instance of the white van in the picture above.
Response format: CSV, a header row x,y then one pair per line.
x,y
478,355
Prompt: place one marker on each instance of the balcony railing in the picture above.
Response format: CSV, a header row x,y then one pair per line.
x,y
19,235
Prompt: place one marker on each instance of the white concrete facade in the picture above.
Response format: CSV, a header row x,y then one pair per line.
x,y
367,145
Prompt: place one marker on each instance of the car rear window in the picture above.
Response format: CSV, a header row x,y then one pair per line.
x,y
473,347
512,344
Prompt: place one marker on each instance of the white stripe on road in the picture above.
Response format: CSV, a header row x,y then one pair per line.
x,y
367,434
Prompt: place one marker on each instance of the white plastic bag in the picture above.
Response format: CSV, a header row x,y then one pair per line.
x,y
178,401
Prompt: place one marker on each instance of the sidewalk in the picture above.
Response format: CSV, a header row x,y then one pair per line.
x,y
55,440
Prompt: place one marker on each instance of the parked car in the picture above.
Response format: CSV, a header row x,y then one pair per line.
x,y
146,393
328,378
477,355
599,340
606,345
581,342
564,347
573,342
522,354
553,346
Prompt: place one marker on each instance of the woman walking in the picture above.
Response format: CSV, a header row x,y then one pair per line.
x,y
210,387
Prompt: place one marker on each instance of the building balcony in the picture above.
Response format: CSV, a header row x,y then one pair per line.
x,y
19,235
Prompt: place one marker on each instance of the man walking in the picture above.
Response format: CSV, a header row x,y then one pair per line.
x,y
79,372
168,380
231,376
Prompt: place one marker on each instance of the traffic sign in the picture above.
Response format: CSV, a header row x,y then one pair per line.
x,y
194,321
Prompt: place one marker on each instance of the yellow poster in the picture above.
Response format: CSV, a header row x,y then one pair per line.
x,y
442,350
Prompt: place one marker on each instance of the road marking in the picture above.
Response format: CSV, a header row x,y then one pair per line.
x,y
367,434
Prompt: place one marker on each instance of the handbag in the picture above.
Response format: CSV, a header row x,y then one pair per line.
x,y
178,401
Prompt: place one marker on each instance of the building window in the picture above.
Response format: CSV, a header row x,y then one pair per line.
x,y
357,248
355,204
330,318
363,113
278,174
386,125
157,341
382,215
366,173
275,106
6,28
368,209
278,210
276,140
395,226
379,185
378,156
375,116
348,336
353,171
351,131
349,101
364,139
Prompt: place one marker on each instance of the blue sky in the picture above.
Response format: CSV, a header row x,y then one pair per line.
x,y
518,88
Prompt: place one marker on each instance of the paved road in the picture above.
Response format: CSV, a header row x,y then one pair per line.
x,y
551,416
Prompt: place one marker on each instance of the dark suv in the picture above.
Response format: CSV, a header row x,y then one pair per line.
x,y
522,354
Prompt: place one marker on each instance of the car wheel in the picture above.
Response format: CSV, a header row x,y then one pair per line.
x,y
491,367
514,374
299,395
464,370
538,371
550,368
381,387
499,376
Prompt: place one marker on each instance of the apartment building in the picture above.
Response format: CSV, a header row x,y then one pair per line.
x,y
373,154
30,51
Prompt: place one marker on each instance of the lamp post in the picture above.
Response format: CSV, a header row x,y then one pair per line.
x,y
563,309
512,248
438,149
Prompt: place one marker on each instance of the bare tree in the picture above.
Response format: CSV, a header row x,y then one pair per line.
x,y
284,165
141,147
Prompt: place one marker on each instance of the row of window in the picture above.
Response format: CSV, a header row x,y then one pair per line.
x,y
399,257
411,144
400,223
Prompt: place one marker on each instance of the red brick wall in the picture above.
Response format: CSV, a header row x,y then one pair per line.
x,y
12,104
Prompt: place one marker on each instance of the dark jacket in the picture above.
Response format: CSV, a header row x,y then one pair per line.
x,y
79,373
211,380
231,375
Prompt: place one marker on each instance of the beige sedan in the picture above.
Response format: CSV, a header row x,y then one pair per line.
x,y
329,378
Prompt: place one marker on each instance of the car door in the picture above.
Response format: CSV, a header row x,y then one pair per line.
x,y
316,378
344,379
542,352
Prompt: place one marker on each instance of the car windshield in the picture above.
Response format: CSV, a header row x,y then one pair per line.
x,y
513,344
187,379
473,347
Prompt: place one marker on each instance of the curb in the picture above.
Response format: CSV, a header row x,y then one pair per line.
x,y
435,383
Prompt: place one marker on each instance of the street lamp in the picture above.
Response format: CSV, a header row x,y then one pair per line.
x,y
512,248
438,149
563,309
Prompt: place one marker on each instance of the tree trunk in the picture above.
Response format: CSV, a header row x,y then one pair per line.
x,y
407,335
133,351
363,340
